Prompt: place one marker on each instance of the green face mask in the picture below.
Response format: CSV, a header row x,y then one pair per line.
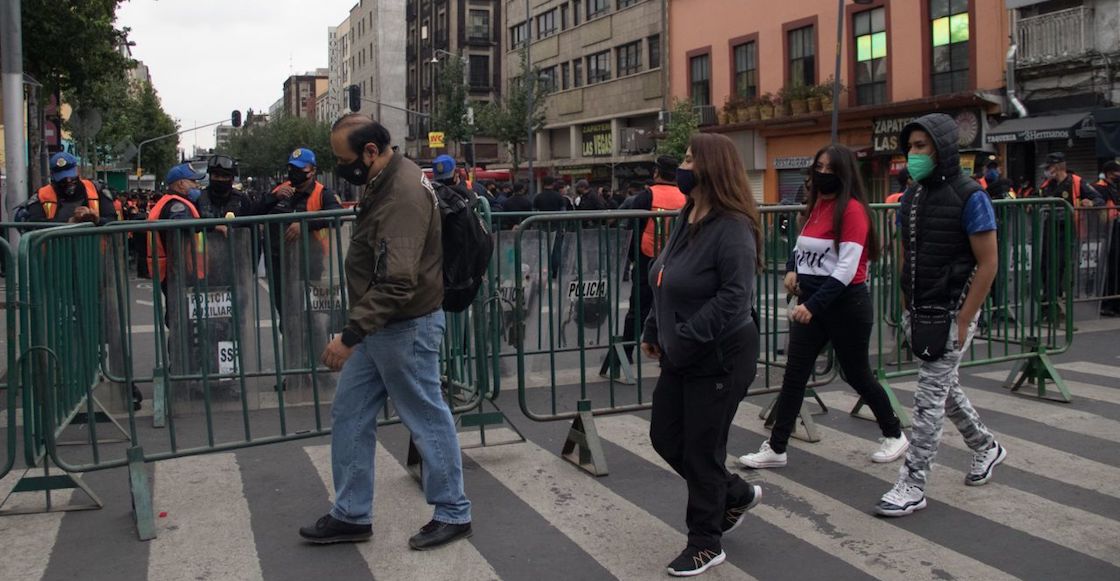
x,y
919,165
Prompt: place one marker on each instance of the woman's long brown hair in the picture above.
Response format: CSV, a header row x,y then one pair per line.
x,y
842,161
722,180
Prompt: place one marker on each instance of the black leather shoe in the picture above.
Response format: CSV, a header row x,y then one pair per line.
x,y
436,534
331,530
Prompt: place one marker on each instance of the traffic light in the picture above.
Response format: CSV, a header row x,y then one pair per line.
x,y
354,92
235,118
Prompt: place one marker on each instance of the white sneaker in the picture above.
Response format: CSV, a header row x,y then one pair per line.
x,y
890,449
983,463
764,458
901,500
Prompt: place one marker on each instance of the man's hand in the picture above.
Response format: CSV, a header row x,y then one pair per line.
x,y
652,350
291,234
284,192
1086,203
791,284
962,331
800,314
336,354
223,230
83,214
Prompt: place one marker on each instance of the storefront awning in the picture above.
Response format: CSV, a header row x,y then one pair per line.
x,y
1039,128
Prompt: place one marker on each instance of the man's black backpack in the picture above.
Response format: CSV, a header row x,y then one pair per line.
x,y
467,247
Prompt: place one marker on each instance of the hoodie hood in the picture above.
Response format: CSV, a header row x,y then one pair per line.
x,y
943,130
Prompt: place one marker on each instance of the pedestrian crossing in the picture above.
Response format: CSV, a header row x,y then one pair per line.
x,y
815,514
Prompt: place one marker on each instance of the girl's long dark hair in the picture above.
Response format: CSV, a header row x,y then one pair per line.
x,y
842,161
720,176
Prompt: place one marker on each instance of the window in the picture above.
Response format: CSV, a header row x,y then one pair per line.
x,y
425,70
599,67
479,27
546,24
802,57
479,71
565,76
629,58
575,12
441,27
655,51
746,70
563,17
624,3
518,34
699,77
949,26
870,29
548,79
577,73
597,7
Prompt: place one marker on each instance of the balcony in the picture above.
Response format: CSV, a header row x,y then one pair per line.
x,y
707,115
478,35
1056,36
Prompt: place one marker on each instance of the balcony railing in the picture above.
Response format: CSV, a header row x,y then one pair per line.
x,y
1055,36
707,114
478,34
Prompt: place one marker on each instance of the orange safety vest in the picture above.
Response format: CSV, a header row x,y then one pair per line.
x,y
1075,194
666,198
983,183
49,199
314,204
1113,213
160,260
894,198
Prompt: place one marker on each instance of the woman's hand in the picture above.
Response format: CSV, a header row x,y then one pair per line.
x,y
652,350
801,315
791,284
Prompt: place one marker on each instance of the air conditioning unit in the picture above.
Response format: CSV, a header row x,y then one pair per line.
x,y
636,141
663,118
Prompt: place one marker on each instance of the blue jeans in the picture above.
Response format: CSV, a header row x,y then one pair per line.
x,y
400,361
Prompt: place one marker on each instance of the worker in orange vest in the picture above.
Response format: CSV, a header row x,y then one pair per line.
x,y
301,192
176,204
1060,183
67,198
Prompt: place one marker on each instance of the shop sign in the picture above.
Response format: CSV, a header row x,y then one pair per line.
x,y
435,139
885,130
597,141
574,171
800,162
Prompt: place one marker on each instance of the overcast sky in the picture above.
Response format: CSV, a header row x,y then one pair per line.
x,y
209,57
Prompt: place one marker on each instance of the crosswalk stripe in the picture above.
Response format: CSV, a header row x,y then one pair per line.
x,y
1079,389
1090,368
1070,527
625,539
883,550
1028,456
207,532
1054,414
28,540
399,510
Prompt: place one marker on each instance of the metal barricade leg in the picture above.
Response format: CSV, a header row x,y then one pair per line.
x,y
1037,370
583,446
140,488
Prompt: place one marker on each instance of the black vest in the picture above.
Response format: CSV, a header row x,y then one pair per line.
x,y
945,259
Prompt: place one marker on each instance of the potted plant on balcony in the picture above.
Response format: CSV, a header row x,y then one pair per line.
x,y
734,108
826,93
797,97
751,110
766,106
814,100
781,103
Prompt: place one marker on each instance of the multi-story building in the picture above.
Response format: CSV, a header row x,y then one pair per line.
x,y
301,93
222,135
376,41
276,110
899,59
602,63
1064,57
438,30
338,75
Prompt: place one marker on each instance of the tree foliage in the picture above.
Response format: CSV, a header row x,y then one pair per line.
x,y
72,45
683,123
509,118
451,102
262,149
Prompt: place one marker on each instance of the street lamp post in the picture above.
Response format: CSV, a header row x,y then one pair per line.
x,y
529,93
836,75
140,148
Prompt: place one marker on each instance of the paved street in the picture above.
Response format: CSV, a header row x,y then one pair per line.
x,y
1052,511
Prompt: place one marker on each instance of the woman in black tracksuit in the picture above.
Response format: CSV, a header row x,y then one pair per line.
x,y
828,273
701,330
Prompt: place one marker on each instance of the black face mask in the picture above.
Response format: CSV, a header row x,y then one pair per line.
x,y
826,183
221,188
68,188
297,177
355,172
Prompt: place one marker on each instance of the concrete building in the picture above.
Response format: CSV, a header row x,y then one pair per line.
x,y
276,110
1065,53
377,62
338,72
899,59
301,93
222,136
469,30
602,59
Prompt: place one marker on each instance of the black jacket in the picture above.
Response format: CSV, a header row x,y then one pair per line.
x,y
945,259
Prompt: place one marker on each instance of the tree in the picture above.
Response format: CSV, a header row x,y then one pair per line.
x,y
683,123
509,118
451,103
262,149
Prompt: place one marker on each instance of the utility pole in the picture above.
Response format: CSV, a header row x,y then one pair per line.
x,y
15,190
527,78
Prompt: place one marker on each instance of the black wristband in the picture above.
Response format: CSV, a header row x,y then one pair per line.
x,y
351,337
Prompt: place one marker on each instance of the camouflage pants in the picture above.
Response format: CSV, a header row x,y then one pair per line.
x,y
939,394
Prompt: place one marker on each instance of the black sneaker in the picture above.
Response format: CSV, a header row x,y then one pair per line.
x,y
331,530
694,561
436,534
734,516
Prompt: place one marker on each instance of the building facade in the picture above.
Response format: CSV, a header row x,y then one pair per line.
x,y
376,44
334,104
601,61
301,94
469,30
1064,54
222,136
899,59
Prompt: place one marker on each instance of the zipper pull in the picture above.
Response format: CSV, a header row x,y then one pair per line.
x,y
660,275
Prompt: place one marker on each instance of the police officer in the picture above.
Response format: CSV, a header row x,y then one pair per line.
x,y
301,192
220,199
68,198
1060,183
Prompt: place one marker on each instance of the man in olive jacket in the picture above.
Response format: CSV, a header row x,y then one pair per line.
x,y
391,343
